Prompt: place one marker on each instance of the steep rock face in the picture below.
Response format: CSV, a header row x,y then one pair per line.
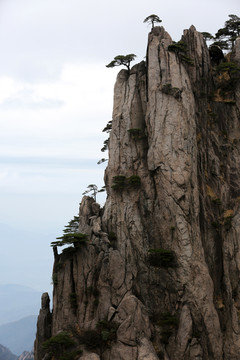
x,y
43,326
161,268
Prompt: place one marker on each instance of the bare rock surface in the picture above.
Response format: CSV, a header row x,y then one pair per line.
x,y
26,355
159,275
43,326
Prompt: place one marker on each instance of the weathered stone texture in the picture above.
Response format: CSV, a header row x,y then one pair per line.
x,y
179,136
43,327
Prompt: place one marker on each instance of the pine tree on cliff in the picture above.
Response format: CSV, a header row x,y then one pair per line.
x,y
152,19
93,189
226,36
122,60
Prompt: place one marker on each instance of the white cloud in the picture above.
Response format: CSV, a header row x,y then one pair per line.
x,y
58,118
47,181
7,87
26,98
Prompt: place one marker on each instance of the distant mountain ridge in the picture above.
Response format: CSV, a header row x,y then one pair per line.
x,y
5,354
26,268
19,336
26,356
17,302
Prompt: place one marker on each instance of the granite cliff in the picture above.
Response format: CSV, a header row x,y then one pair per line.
x,y
158,277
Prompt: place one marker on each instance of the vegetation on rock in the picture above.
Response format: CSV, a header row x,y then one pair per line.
x,y
180,49
133,181
58,344
136,133
124,60
100,337
226,36
93,189
120,182
102,160
152,19
108,127
167,322
76,239
228,75
161,258
207,36
105,145
173,91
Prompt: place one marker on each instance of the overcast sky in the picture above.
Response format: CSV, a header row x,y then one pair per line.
x,y
55,98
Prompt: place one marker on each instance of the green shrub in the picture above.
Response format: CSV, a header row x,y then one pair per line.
x,y
187,59
225,85
180,48
134,181
104,333
168,323
136,133
217,201
228,223
231,67
91,339
105,145
72,225
57,344
108,330
76,239
173,91
161,258
71,355
118,182
108,127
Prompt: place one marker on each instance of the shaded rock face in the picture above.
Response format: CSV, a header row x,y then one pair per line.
x,y
163,258
43,327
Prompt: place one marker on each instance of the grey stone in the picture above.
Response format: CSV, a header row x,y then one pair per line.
x,y
184,152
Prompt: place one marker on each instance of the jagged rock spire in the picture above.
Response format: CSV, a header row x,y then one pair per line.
x,y
159,275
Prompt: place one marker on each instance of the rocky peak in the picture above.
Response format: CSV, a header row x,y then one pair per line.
x,y
26,355
5,354
158,276
43,326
